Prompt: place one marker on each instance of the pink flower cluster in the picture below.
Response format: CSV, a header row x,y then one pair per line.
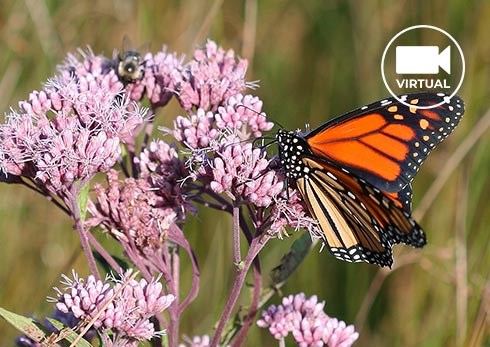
x,y
238,170
161,79
288,210
135,212
67,132
196,131
240,115
75,127
222,153
243,113
126,317
214,75
307,322
87,66
160,165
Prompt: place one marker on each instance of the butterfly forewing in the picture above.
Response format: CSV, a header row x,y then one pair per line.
x,y
386,142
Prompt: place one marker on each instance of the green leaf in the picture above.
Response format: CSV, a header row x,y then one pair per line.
x,y
105,265
37,332
82,200
68,334
24,324
124,152
291,260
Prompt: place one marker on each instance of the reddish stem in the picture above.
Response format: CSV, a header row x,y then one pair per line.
x,y
236,235
82,233
255,247
175,314
166,270
177,236
72,202
257,278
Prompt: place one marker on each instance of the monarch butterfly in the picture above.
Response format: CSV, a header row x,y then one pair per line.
x,y
354,172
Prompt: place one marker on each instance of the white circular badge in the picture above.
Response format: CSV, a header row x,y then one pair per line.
x,y
420,66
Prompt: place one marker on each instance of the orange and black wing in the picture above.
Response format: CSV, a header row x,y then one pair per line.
x,y
386,142
359,222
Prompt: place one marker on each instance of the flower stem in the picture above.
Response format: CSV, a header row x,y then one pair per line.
x,y
177,236
257,278
236,235
166,268
175,314
257,244
72,202
82,233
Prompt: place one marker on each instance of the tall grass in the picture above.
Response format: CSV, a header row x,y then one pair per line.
x,y
314,60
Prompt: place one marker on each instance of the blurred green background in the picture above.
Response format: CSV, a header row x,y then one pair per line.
x,y
314,60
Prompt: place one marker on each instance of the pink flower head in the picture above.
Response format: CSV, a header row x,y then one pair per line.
x,y
289,211
161,73
77,137
243,113
221,154
238,171
240,115
196,131
213,76
127,316
88,65
307,322
160,164
134,212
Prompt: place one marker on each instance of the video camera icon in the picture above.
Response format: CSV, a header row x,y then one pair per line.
x,y
422,60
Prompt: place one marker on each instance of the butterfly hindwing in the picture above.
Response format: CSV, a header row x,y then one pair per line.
x,y
359,222
386,142
349,231
402,198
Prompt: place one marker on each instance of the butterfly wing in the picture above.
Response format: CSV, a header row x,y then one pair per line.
x,y
354,172
359,222
385,142
402,199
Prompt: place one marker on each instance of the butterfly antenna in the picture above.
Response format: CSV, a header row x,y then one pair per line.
x,y
250,109
271,139
260,113
279,125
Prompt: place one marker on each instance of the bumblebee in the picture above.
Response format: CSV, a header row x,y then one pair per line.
x,y
130,66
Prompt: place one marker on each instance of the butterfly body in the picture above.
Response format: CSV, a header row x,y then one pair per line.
x,y
354,173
